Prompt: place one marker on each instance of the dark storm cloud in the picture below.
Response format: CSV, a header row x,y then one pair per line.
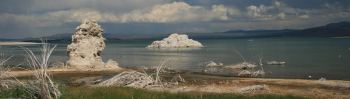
x,y
27,18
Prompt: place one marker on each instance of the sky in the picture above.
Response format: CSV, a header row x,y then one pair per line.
x,y
37,18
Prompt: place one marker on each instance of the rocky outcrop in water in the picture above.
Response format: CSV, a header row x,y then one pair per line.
x,y
87,45
176,41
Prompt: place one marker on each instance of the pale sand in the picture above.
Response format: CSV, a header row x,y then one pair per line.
x,y
59,71
18,43
328,89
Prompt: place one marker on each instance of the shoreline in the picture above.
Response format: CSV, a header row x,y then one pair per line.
x,y
57,72
219,84
17,43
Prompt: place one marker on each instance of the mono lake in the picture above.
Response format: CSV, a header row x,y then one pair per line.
x,y
316,57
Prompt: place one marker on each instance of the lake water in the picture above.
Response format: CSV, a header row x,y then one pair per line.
x,y
317,57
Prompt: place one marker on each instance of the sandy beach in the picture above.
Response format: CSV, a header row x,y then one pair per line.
x,y
326,89
60,72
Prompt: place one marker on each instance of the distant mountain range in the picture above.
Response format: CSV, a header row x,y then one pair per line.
x,y
330,30
339,29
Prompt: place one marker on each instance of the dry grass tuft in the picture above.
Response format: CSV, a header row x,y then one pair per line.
x,y
43,87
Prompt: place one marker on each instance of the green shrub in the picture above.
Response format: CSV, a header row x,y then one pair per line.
x,y
16,92
131,93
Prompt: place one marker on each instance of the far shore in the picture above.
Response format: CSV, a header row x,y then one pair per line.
x,y
18,43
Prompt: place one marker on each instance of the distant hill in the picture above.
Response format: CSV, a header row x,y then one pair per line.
x,y
241,34
4,39
329,30
57,38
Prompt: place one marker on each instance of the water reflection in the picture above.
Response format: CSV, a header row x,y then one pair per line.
x,y
173,49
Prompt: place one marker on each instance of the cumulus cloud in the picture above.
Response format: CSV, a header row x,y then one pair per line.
x,y
259,11
174,12
169,13
50,19
177,12
60,16
162,13
278,10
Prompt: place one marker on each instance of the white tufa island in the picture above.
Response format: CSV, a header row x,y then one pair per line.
x,y
176,40
86,47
